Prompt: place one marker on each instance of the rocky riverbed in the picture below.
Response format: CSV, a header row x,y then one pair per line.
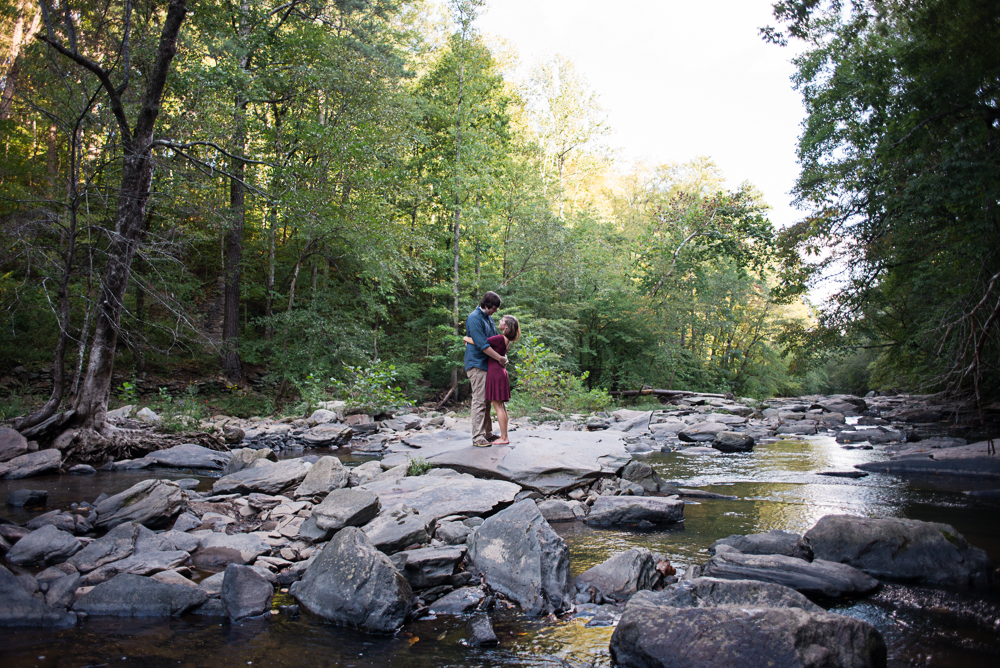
x,y
277,528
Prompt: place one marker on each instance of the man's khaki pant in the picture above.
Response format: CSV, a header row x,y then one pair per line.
x,y
482,425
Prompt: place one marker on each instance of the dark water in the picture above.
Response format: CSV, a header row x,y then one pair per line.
x,y
778,487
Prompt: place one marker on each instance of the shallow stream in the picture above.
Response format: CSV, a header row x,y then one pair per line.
x,y
778,487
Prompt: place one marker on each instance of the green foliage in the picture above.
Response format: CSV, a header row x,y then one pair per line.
x,y
540,382
370,387
418,465
128,393
178,414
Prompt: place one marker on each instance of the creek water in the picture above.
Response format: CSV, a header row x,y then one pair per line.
x,y
777,486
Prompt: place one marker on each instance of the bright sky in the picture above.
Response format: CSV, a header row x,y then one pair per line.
x,y
679,79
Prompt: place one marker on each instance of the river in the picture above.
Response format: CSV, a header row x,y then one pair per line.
x,y
777,485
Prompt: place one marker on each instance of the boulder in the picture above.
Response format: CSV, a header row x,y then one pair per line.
x,y
153,503
396,528
900,549
365,473
47,545
713,592
557,510
736,637
635,509
458,602
346,507
264,477
702,433
520,556
31,464
328,435
245,592
120,543
437,496
965,460
244,457
61,592
326,475
429,566
12,444
218,550
190,456
354,584
621,576
19,608
733,441
643,474
31,498
479,631
452,533
817,577
773,542
57,518
128,595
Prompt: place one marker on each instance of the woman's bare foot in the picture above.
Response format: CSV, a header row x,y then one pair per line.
x,y
502,441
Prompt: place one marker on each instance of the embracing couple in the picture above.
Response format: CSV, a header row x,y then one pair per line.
x,y
485,364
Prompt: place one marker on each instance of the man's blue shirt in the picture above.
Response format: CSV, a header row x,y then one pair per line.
x,y
479,327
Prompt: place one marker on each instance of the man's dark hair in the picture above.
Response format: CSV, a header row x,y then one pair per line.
x,y
490,300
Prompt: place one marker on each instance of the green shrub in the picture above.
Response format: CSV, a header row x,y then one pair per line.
x,y
540,382
418,465
371,388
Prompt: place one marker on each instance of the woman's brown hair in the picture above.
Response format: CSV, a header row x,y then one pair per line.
x,y
513,327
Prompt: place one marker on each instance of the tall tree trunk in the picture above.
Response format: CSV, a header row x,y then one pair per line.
x,y
19,38
137,175
458,213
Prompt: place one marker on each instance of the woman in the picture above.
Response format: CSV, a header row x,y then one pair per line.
x,y
497,381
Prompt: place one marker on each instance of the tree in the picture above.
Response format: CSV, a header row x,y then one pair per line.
x,y
137,142
901,179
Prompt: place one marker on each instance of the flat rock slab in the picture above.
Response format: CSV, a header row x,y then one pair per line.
x,y
137,596
264,477
458,602
544,461
965,460
190,456
732,637
435,497
824,578
31,464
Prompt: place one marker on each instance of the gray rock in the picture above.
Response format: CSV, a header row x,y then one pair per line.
x,y
365,473
264,477
19,608
402,423
479,631
128,595
57,518
146,563
153,503
713,592
180,540
643,474
322,416
557,510
429,566
186,521
354,584
245,592
733,441
31,464
20,498
637,423
147,415
966,460
212,585
61,592
549,462
702,433
452,533
439,496
635,509
47,545
799,428
772,542
218,550
818,577
245,457
191,456
732,637
874,436
458,602
81,469
12,444
900,549
117,544
520,556
396,528
621,576
346,507
328,435
326,475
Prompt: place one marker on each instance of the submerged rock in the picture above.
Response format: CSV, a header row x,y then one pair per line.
x,y
900,549
621,576
519,555
635,509
772,542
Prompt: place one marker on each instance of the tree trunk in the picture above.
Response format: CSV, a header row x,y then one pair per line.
x,y
137,176
19,38
458,212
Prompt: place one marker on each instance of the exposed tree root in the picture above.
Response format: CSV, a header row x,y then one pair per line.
x,y
94,447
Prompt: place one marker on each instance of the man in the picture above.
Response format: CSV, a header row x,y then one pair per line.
x,y
479,326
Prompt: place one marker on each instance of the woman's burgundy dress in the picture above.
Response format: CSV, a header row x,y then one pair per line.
x,y
497,382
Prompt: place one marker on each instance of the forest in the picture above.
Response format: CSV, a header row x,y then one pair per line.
x,y
304,198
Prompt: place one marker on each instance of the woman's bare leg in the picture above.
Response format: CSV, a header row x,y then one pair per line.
x,y
501,409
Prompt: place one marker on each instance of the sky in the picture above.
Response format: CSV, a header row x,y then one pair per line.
x,y
679,80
